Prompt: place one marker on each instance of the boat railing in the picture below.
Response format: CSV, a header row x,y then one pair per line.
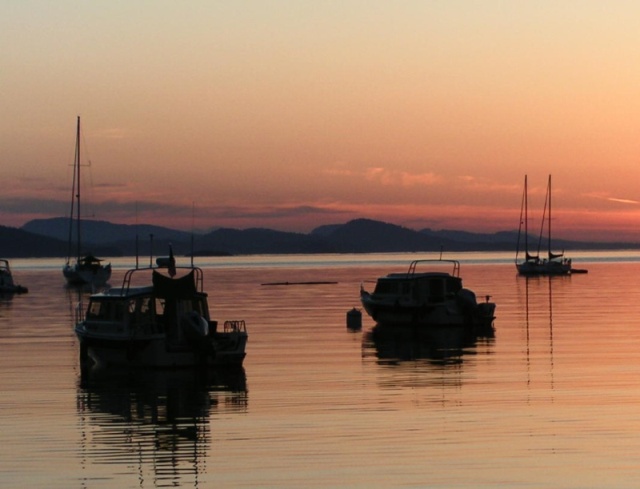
x,y
128,277
235,326
454,263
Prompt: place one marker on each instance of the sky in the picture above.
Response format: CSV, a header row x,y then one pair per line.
x,y
295,114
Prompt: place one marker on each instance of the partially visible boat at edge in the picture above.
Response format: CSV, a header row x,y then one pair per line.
x,y
87,269
162,324
554,263
7,285
430,298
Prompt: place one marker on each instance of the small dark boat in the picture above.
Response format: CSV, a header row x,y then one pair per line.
x,y
433,298
7,285
162,324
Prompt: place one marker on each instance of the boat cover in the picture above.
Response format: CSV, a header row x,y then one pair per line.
x,y
176,288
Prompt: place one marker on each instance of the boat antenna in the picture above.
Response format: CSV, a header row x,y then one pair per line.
x,y
441,248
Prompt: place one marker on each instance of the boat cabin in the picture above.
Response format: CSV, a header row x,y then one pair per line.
x,y
138,312
432,287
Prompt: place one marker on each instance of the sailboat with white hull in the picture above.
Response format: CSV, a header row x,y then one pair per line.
x,y
87,269
554,263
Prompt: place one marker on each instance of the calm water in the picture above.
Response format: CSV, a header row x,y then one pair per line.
x,y
551,398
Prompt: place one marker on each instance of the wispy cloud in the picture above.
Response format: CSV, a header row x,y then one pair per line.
x,y
605,196
489,185
623,201
400,178
385,176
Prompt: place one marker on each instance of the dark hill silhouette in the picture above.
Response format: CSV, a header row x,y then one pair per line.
x,y
369,236
357,236
259,241
16,243
94,231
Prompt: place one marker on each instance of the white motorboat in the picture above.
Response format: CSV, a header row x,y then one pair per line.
x,y
430,298
7,285
87,270
162,324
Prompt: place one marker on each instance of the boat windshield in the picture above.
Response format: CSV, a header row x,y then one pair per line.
x,y
106,311
394,287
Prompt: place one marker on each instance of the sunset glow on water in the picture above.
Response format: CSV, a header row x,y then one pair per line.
x,y
549,398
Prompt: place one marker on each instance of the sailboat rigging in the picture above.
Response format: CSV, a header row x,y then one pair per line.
x,y
554,263
87,269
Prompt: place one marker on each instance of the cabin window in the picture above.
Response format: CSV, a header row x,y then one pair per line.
x,y
95,311
385,287
144,310
141,311
145,306
105,311
159,306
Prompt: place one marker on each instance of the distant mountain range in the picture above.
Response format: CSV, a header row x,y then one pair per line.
x,y
48,238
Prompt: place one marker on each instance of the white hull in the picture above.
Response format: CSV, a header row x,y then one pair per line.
x,y
77,275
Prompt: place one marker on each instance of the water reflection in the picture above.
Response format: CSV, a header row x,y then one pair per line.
x,y
6,297
153,423
445,345
538,312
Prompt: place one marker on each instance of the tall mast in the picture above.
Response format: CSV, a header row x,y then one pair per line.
x,y
78,185
549,226
526,220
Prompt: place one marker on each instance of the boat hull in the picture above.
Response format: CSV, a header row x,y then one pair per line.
x,y
7,285
451,313
155,351
544,268
16,289
78,275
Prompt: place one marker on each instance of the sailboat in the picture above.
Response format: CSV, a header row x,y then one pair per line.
x,y
554,263
87,269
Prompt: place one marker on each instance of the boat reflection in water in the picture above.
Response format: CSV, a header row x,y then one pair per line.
x,y
155,423
440,345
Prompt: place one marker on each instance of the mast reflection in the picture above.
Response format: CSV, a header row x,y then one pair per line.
x,y
538,301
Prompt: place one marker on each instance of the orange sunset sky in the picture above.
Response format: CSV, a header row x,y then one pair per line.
x,y
292,114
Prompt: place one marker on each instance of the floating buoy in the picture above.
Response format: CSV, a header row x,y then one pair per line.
x,y
354,319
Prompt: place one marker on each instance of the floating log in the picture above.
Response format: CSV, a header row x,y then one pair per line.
x,y
299,283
